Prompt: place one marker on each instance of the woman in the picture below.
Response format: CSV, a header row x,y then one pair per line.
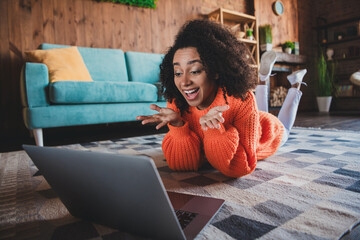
x,y
211,111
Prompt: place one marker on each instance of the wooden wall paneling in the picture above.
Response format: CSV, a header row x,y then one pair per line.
x,y
88,24
162,40
156,25
15,32
193,11
135,43
108,25
69,27
129,34
48,21
191,8
79,22
139,29
171,13
143,29
281,28
126,26
37,24
89,28
172,16
167,19
118,20
59,22
292,23
98,36
25,11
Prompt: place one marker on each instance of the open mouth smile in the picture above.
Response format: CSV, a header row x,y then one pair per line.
x,y
191,94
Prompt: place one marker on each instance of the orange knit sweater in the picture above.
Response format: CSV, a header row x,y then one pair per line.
x,y
246,136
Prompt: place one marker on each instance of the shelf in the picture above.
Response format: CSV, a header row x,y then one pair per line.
x,y
345,59
348,94
348,97
239,23
233,15
247,41
346,39
343,81
338,23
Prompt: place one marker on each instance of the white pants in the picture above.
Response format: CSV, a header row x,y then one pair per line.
x,y
288,110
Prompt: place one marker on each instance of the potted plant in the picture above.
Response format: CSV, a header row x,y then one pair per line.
x,y
325,82
265,34
288,46
249,34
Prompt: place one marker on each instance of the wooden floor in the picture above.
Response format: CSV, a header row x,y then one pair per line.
x,y
70,135
336,120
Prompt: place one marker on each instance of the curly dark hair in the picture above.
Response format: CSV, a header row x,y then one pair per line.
x,y
226,61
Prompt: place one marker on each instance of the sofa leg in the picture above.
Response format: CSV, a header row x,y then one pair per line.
x,y
38,134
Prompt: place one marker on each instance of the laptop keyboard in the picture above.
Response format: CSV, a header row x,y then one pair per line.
x,y
185,217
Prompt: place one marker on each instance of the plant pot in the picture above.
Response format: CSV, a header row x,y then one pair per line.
x,y
288,50
324,103
266,47
250,37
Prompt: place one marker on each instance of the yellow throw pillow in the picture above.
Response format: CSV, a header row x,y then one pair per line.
x,y
64,64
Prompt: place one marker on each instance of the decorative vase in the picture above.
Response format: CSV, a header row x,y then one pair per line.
x,y
329,53
288,50
324,103
266,47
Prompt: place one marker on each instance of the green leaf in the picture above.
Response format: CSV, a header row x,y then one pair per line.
x,y
325,75
138,3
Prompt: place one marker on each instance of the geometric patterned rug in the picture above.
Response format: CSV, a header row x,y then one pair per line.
x,y
310,189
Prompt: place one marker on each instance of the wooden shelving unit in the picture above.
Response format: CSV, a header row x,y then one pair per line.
x,y
347,60
348,39
239,22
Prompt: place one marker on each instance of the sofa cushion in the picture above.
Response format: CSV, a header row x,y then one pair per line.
x,y
65,64
143,67
101,92
80,114
103,64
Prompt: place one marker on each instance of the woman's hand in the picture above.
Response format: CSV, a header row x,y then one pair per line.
x,y
165,116
213,118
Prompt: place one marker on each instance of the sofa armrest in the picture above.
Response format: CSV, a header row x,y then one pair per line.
x,y
34,85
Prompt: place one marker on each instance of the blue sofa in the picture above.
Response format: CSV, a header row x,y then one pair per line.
x,y
123,87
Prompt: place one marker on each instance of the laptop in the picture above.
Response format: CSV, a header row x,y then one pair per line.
x,y
122,192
